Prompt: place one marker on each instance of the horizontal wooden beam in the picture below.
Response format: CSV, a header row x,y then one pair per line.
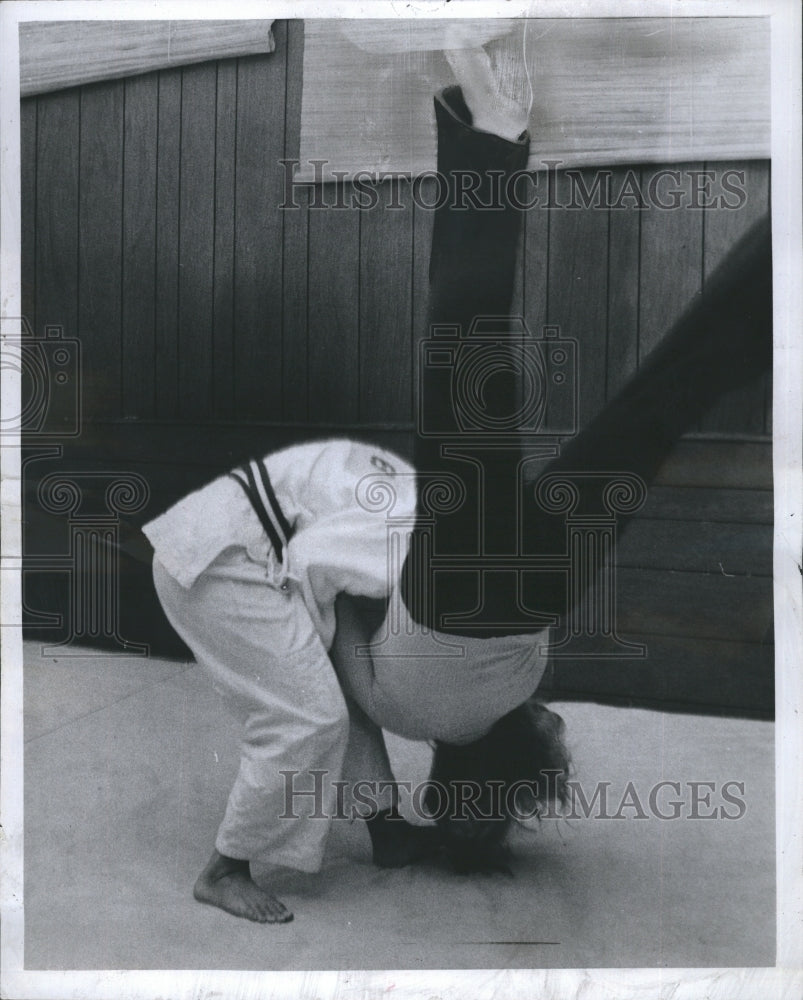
x,y
711,504
698,605
697,546
605,91
683,674
57,54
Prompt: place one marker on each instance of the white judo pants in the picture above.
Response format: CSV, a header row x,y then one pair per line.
x,y
258,645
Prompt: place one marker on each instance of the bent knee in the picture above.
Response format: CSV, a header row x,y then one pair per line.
x,y
326,722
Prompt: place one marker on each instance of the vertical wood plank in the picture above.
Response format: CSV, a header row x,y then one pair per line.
x,y
168,184
139,246
258,234
196,240
768,395
425,194
100,247
223,291
578,289
334,316
517,297
742,409
671,265
294,234
386,247
535,268
535,271
28,165
623,291
57,212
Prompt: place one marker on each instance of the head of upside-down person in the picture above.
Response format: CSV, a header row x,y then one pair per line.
x,y
517,771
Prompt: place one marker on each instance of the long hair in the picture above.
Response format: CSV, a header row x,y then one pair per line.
x,y
517,771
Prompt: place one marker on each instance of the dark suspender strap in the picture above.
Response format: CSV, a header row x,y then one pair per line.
x,y
278,513
250,488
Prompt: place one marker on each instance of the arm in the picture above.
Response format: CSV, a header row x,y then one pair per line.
x,y
355,672
366,754
394,841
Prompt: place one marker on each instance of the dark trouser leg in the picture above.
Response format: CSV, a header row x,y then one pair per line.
x,y
722,341
472,265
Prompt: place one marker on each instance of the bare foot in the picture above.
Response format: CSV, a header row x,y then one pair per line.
x,y
227,883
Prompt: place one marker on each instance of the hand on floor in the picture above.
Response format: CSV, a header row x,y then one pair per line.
x,y
397,843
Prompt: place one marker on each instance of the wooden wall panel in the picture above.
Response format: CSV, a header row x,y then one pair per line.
x,y
386,252
697,546
100,250
711,504
768,404
28,234
232,308
624,235
223,389
697,605
196,241
258,234
678,674
535,252
168,185
578,290
671,266
741,409
295,226
517,297
334,314
138,348
57,185
423,223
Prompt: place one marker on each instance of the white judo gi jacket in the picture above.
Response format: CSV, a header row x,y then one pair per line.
x,y
339,539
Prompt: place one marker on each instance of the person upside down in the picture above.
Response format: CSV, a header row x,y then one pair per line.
x,y
320,627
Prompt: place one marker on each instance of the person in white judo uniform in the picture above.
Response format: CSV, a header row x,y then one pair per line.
x,y
248,570
265,573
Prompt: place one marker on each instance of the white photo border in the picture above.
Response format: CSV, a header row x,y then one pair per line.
x,y
786,978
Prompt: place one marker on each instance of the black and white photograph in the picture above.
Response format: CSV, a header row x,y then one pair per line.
x,y
401,500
